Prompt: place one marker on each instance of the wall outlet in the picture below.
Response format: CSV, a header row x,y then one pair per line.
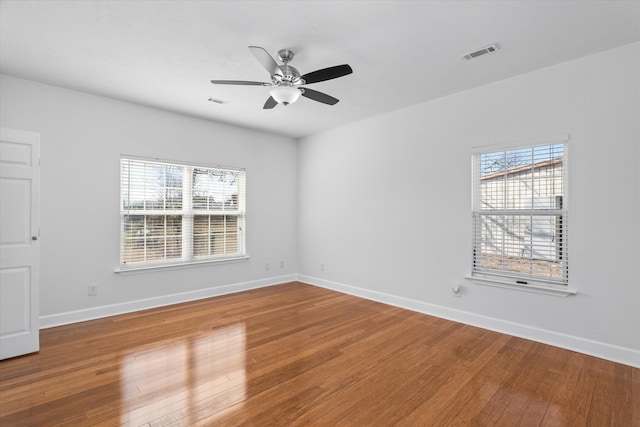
x,y
93,290
457,291
267,266
281,264
322,267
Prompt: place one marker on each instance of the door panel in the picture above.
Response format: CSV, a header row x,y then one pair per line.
x,y
19,244
16,212
16,289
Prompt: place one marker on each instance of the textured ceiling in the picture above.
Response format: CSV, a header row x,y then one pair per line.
x,y
164,53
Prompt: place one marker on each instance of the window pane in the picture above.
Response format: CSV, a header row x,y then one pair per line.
x,y
151,237
135,188
232,243
217,244
215,189
492,163
125,198
151,186
133,250
217,224
522,178
155,226
173,187
174,225
232,223
174,247
527,245
154,186
133,225
493,193
215,235
201,245
201,224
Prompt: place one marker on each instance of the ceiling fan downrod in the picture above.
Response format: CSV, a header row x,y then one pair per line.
x,y
290,75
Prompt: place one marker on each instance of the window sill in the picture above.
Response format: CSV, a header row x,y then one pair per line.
x,y
189,264
554,290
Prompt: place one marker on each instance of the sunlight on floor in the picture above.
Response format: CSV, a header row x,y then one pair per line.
x,y
185,381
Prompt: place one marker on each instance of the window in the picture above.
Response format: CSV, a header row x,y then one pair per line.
x,y
173,213
520,214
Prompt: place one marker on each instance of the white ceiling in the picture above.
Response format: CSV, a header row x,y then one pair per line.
x,y
164,53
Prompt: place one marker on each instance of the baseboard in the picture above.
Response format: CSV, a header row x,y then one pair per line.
x,y
144,304
626,356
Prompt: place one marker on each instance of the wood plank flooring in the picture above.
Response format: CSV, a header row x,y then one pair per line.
x,y
299,355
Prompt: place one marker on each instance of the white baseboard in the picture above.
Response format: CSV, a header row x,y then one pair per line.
x,y
626,356
144,304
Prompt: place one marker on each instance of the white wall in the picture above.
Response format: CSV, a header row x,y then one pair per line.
x,y
384,203
82,137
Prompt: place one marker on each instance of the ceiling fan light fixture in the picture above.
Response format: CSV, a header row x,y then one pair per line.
x,y
285,94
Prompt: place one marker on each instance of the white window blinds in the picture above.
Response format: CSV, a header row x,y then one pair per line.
x,y
174,213
520,214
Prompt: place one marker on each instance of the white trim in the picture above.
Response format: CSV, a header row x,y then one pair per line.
x,y
534,142
144,304
624,355
159,266
180,162
531,286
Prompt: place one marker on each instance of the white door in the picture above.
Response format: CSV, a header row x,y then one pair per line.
x,y
19,245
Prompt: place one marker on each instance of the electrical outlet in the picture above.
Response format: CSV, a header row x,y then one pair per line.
x,y
93,290
267,266
457,292
322,267
281,264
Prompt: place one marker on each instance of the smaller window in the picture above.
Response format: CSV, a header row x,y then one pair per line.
x,y
520,213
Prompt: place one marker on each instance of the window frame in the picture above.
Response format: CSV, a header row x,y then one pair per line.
x,y
512,279
187,213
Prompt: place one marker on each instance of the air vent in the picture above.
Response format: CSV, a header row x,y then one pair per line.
x,y
483,51
218,101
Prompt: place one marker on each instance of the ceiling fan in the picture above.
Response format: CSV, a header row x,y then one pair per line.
x,y
287,82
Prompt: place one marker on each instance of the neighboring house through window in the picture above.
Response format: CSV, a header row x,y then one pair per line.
x,y
176,213
520,213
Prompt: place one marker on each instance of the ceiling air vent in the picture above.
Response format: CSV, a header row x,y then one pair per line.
x,y
218,101
487,49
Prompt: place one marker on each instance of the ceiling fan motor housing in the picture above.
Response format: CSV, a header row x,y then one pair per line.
x,y
290,75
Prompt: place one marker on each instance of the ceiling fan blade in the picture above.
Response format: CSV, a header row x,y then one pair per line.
x,y
270,103
319,96
327,74
266,60
239,82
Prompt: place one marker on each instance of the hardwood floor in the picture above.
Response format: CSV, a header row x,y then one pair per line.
x,y
297,355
